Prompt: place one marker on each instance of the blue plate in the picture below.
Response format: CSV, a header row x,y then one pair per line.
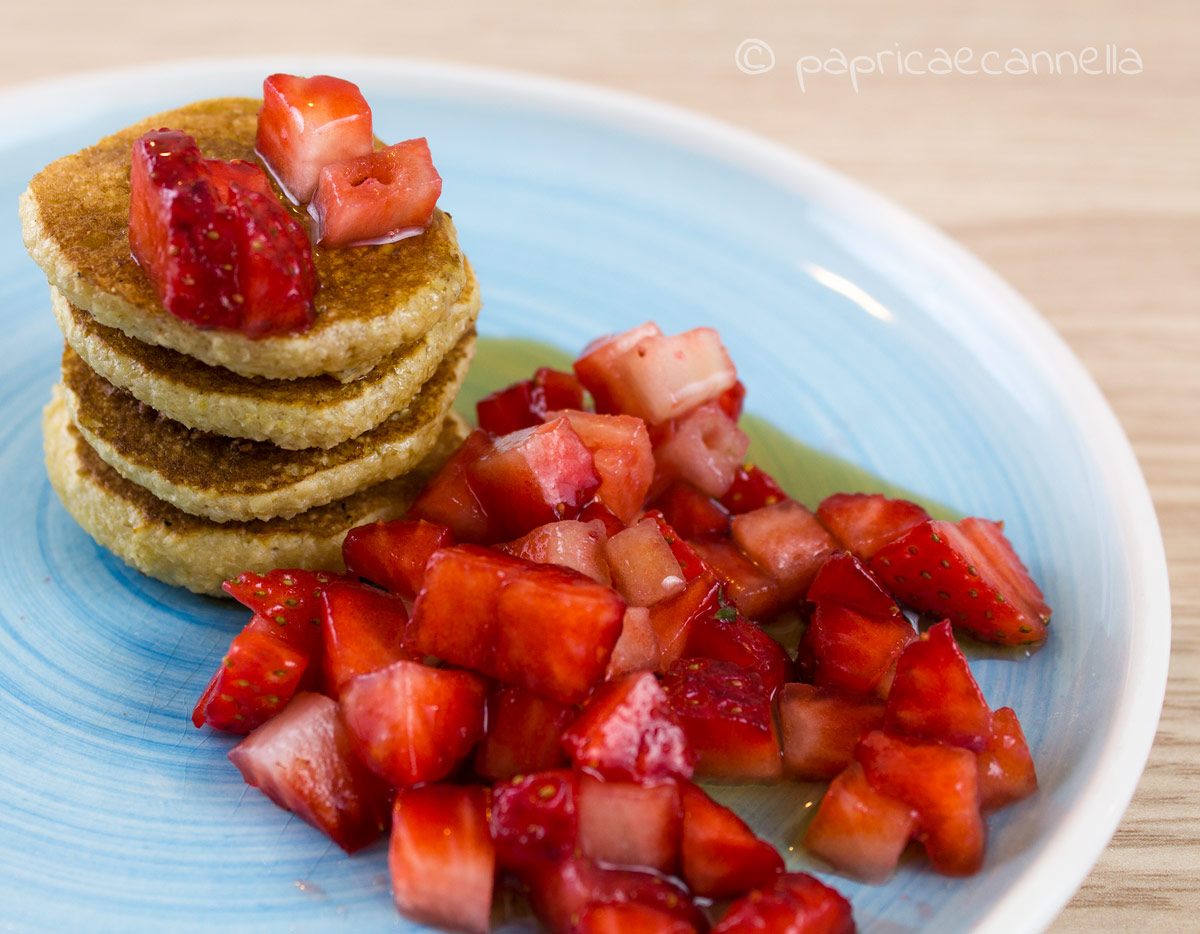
x,y
856,328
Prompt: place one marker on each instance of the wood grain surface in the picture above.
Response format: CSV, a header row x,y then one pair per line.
x,y
1082,190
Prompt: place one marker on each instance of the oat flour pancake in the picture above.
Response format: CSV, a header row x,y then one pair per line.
x,y
188,551
228,479
318,411
372,300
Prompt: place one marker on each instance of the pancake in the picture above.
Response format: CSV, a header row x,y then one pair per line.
x,y
227,479
188,551
372,300
317,411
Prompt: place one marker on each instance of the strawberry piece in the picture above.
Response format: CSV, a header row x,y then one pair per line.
x,y
379,197
307,123
689,562
525,404
935,696
644,570
220,253
534,819
863,523
411,723
534,476
441,857
673,619
256,680
449,500
569,544
721,857
637,649
787,540
629,824
795,902
752,488
621,454
703,447
596,511
288,597
845,580
596,367
522,733
940,569
941,784
690,512
393,554
821,728
730,637
857,830
732,399
364,631
303,760
627,731
752,590
630,919
1006,772
725,712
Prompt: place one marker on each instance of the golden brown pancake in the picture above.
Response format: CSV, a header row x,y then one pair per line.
x,y
188,551
371,301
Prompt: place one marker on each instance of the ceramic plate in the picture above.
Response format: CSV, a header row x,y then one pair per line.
x,y
857,330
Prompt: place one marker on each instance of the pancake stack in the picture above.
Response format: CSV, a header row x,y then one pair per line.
x,y
197,454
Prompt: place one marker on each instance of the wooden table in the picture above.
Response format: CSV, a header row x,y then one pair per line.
x,y
1082,190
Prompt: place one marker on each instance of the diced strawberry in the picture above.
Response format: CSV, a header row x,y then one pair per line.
x,y
534,819
703,447
220,253
793,903
288,597
752,488
621,454
644,569
629,824
726,715
935,696
256,680
732,400
857,830
522,733
596,366
393,554
689,562
721,857
449,500
630,919
441,857
730,637
863,523
673,619
787,540
1006,772
752,590
846,580
237,172
627,731
412,723
941,784
637,649
364,631
307,123
525,404
939,569
380,197
821,728
569,544
303,760
690,512
534,476
597,511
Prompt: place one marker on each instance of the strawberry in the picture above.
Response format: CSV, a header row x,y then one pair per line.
x,y
752,488
637,649
704,446
644,570
522,733
449,500
863,523
364,631
596,366
411,723
844,579
732,400
621,455
569,544
256,680
786,540
307,123
629,824
728,636
303,760
630,919
793,903
672,620
969,574
689,562
690,512
752,590
721,857
393,554
597,511
441,857
1006,772
534,819
288,597
821,728
525,404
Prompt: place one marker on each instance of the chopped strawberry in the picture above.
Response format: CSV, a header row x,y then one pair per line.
x,y
821,728
689,562
704,447
411,723
935,696
303,760
627,731
969,574
752,590
795,903
597,511
522,733
393,554
863,523
307,123
441,857
690,512
569,544
379,197
630,919
732,400
941,784
364,631
525,404
256,680
449,500
728,636
637,649
844,579
629,824
644,569
673,619
1006,772
725,711
857,830
752,488
288,597
787,540
721,856
596,366
621,454
534,819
